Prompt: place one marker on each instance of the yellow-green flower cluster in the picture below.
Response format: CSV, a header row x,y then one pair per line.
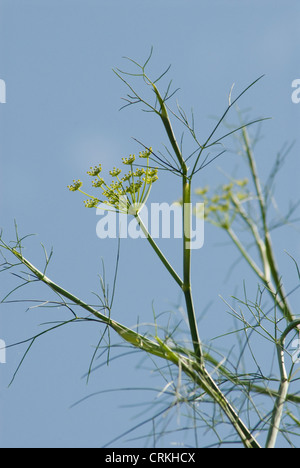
x,y
126,194
221,208
76,185
95,170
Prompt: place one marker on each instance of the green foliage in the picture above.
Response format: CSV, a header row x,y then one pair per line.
x,y
216,391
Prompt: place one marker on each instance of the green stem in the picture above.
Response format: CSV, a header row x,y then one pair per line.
x,y
262,275
267,238
245,254
159,252
258,240
186,196
279,403
256,389
198,373
213,390
283,388
163,114
200,376
187,288
185,285
126,333
196,369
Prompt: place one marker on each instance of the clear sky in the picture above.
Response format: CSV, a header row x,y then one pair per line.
x,y
62,116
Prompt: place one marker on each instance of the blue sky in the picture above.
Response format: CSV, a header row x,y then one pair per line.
x,y
62,116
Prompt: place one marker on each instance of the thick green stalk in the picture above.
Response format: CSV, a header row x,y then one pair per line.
x,y
187,287
186,197
202,376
